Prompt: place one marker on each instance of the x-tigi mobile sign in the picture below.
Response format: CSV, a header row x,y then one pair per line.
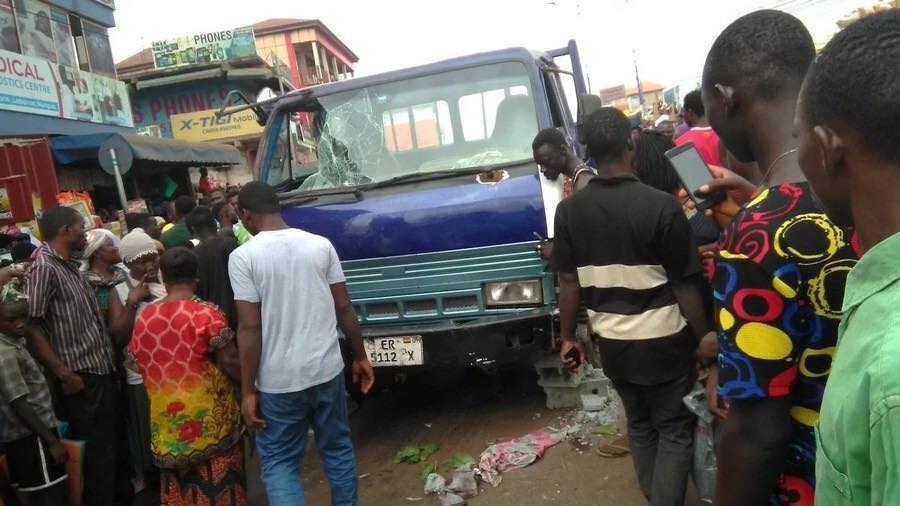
x,y
204,48
203,126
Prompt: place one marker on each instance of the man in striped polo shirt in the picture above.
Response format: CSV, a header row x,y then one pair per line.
x,y
68,336
626,248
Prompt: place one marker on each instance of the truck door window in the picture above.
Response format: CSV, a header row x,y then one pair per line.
x,y
571,95
478,112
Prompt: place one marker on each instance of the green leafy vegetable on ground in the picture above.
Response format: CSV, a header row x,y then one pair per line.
x,y
414,454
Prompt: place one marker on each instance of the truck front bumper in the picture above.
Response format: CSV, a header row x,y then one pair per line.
x,y
486,342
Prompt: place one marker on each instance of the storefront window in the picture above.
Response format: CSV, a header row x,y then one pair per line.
x,y
62,35
99,51
35,29
9,36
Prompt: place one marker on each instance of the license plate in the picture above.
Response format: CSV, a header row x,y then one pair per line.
x,y
395,351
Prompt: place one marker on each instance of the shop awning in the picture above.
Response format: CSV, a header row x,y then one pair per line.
x,y
132,148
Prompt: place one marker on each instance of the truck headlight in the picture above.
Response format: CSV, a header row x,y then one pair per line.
x,y
526,292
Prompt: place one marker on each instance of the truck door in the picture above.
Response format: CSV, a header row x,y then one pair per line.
x,y
564,81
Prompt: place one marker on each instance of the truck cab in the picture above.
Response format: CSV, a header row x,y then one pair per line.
x,y
424,182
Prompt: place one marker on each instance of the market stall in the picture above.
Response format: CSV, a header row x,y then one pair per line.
x,y
130,173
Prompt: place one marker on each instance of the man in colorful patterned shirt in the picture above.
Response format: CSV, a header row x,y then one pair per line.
x,y
780,274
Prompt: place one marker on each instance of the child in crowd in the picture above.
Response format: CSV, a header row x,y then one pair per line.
x,y
35,455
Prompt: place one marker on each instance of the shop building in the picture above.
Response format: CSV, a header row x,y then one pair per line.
x,y
56,69
178,85
57,77
314,54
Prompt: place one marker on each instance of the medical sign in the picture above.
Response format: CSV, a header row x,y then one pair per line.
x,y
36,86
204,48
27,85
203,126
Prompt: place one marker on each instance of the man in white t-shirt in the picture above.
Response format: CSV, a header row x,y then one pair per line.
x,y
291,297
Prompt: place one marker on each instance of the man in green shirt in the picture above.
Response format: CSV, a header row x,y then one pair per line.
x,y
850,152
179,235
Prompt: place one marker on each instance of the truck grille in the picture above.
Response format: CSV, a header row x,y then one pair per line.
x,y
440,285
382,310
463,303
420,307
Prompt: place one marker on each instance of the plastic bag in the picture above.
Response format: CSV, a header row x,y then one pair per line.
x,y
704,469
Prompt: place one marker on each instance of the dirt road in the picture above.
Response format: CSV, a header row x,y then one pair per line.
x,y
464,412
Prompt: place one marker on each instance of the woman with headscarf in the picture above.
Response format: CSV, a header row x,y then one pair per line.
x,y
141,258
119,307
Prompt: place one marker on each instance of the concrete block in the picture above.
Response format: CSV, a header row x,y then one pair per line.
x,y
593,402
551,371
565,397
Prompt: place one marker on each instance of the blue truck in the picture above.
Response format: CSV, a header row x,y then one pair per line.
x,y
425,184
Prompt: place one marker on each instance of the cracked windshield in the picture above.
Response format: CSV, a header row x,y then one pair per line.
x,y
454,120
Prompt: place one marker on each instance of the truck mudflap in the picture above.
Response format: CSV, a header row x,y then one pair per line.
x,y
488,341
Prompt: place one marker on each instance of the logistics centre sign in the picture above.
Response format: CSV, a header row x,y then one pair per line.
x,y
204,48
204,126
36,86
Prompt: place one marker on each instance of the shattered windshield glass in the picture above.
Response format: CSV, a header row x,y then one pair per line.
x,y
453,120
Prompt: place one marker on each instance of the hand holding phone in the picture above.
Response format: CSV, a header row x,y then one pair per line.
x,y
693,173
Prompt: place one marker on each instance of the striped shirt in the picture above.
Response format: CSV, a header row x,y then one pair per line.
x,y
21,377
626,242
62,300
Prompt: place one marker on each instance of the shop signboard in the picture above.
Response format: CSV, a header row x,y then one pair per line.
x,y
36,86
202,126
613,93
204,48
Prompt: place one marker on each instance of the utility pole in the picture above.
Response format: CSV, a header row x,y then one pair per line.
x,y
637,76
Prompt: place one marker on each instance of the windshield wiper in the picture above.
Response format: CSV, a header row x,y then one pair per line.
x,y
441,174
423,176
299,198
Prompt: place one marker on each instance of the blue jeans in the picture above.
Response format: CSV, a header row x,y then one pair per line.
x,y
282,445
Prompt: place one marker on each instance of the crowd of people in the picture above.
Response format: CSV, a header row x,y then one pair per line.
x,y
145,387
160,350
793,328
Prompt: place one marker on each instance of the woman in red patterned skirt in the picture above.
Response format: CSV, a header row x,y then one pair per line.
x,y
188,360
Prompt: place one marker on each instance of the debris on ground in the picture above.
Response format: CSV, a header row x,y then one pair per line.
x,y
415,453
428,470
605,429
517,453
463,486
459,461
612,450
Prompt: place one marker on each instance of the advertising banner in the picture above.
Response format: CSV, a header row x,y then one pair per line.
x,y
27,85
36,86
204,126
204,48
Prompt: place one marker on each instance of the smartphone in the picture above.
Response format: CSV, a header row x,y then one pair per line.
x,y
693,173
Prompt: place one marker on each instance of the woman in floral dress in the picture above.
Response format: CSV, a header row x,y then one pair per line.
x,y
188,359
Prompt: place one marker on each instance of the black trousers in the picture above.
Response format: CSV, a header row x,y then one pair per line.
x,y
661,437
92,417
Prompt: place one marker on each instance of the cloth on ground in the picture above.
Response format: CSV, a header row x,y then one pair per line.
x,y
516,453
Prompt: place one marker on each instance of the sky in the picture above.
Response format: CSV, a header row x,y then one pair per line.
x,y
668,39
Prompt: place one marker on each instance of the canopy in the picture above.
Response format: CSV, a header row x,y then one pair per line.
x,y
132,149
